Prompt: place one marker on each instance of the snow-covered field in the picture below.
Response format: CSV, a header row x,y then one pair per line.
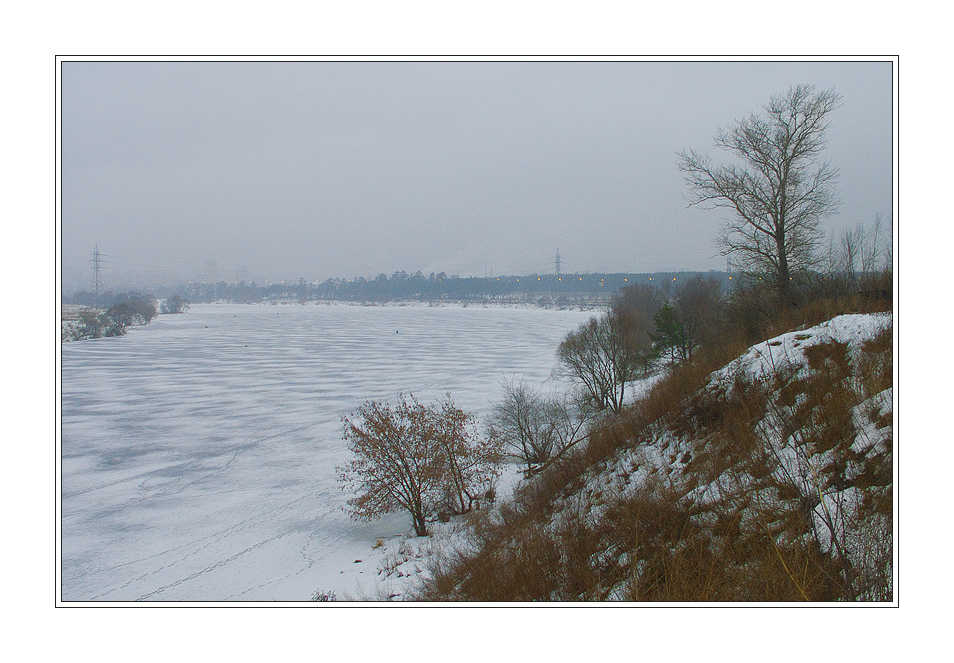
x,y
198,452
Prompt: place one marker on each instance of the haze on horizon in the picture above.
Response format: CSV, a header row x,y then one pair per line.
x,y
267,171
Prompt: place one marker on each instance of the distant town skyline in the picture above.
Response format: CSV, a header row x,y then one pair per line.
x,y
286,170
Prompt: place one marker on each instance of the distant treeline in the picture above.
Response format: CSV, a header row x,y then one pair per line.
x,y
401,286
108,299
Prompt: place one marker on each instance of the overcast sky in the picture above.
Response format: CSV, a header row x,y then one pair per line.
x,y
330,169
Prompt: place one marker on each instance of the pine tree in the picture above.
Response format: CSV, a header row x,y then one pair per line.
x,y
670,335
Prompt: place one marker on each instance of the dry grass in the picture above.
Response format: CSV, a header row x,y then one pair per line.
x,y
768,491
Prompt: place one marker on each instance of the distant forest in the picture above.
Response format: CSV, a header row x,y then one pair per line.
x,y
542,289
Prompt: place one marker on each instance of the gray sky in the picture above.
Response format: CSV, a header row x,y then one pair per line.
x,y
331,169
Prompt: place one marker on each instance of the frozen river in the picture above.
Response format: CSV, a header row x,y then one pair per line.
x,y
198,452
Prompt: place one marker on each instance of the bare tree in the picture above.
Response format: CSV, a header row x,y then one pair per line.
x,y
425,460
872,250
856,256
700,308
472,462
536,427
888,259
569,415
604,355
851,241
779,189
520,421
639,299
638,305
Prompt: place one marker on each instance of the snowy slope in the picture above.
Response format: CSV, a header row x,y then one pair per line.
x,y
801,456
764,359
776,478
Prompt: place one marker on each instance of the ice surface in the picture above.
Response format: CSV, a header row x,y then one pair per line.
x,y
198,452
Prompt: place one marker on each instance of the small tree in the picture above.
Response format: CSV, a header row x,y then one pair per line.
x,y
421,459
604,355
670,335
860,252
132,309
699,307
174,304
472,462
569,414
520,422
857,260
536,427
91,324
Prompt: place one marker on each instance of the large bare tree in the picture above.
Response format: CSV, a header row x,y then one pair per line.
x,y
779,188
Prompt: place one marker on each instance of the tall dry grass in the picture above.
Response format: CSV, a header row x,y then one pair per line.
x,y
767,491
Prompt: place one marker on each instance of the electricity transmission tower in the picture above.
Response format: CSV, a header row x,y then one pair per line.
x,y
97,261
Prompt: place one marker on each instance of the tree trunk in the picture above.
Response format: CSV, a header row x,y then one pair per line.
x,y
420,526
784,284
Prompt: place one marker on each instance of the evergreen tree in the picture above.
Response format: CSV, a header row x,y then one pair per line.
x,y
670,335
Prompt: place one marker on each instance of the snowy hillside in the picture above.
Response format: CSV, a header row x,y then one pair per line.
x,y
772,482
787,352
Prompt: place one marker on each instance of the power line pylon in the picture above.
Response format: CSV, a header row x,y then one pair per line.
x,y
97,261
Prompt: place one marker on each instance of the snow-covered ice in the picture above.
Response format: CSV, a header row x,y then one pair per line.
x,y
198,453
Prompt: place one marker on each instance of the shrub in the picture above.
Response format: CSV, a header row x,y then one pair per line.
x,y
174,304
425,460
